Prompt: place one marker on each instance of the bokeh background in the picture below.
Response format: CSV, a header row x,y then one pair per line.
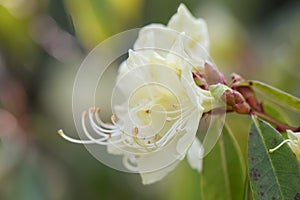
x,y
42,43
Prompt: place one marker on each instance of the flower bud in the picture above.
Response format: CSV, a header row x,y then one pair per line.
x,y
250,97
237,101
212,75
242,108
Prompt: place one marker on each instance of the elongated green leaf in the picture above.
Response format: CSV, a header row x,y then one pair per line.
x,y
275,95
248,191
273,175
224,172
276,112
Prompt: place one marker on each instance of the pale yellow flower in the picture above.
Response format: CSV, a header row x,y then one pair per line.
x,y
159,106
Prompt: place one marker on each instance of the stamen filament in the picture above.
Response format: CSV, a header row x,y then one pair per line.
x,y
111,134
101,123
101,141
113,119
173,111
101,131
278,146
171,132
68,138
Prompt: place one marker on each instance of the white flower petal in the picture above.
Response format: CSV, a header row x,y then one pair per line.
x,y
152,177
189,131
113,148
295,142
195,155
177,53
183,21
155,36
293,135
123,69
154,166
137,59
202,99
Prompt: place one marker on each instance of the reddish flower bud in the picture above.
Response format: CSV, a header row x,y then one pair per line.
x,y
212,75
242,108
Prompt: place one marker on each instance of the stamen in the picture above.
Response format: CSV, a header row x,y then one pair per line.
x,y
135,131
175,105
101,141
99,130
96,128
111,134
278,146
84,114
168,119
92,109
68,138
143,106
114,119
101,123
171,112
176,127
142,144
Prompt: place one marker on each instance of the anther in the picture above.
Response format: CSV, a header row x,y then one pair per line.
x,y
84,113
92,109
135,130
168,119
175,105
178,129
113,118
148,111
60,132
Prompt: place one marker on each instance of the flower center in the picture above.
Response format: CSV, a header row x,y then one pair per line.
x,y
155,113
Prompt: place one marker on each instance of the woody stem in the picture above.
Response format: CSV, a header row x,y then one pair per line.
x,y
279,125
257,108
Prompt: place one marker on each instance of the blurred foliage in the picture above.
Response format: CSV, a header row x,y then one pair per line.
x,y
41,44
96,20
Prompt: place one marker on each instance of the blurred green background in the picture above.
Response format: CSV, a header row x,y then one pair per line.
x,y
42,43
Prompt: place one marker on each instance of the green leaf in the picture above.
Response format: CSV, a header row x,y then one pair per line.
x,y
276,112
223,174
275,94
272,175
248,192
